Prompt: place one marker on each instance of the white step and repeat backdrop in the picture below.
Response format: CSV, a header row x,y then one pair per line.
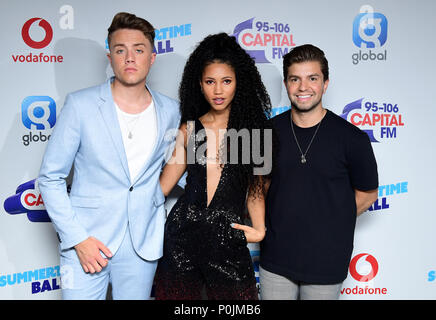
x,y
382,65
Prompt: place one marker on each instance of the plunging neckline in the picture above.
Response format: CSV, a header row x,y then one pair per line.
x,y
206,166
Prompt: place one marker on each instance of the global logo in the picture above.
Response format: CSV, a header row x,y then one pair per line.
x,y
25,33
27,200
379,120
37,113
264,40
370,273
370,31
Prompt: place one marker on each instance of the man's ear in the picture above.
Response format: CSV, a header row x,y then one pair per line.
x,y
326,84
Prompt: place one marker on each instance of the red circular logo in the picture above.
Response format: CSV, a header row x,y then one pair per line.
x,y
374,268
37,44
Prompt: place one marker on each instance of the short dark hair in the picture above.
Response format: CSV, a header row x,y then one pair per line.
x,y
304,53
124,20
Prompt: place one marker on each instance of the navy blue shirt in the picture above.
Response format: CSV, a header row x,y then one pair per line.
x,y
311,207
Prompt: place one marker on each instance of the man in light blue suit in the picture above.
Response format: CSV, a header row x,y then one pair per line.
x,y
111,224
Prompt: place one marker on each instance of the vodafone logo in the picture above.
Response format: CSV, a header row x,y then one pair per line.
x,y
367,276
39,57
37,33
44,25
364,268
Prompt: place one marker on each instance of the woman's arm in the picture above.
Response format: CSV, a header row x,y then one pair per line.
x,y
176,166
256,211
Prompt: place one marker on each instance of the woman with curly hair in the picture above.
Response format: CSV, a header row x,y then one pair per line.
x,y
221,96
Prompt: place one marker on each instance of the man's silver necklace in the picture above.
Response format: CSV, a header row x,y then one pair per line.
x,y
130,128
303,155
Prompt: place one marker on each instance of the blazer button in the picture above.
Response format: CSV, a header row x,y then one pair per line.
x,y
131,189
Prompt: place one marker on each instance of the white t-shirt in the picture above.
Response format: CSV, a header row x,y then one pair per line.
x,y
139,133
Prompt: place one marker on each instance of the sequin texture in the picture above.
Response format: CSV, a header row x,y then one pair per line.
x,y
200,246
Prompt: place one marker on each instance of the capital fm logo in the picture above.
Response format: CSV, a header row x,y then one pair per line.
x,y
264,40
382,121
370,32
27,199
363,268
38,113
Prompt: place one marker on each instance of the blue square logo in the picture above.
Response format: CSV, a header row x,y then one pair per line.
x,y
370,30
38,112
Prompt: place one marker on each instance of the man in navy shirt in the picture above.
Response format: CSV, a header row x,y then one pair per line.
x,y
325,176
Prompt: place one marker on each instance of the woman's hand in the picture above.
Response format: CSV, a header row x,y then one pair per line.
x,y
252,234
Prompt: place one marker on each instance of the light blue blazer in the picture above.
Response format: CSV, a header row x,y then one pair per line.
x,y
103,200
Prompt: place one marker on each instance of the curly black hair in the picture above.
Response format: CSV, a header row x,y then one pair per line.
x,y
250,107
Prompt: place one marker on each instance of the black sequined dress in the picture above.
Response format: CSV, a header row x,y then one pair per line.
x,y
201,249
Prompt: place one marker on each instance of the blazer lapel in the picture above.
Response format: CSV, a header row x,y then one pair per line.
x,y
158,107
109,114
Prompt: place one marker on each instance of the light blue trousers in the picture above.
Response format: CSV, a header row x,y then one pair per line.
x,y
131,277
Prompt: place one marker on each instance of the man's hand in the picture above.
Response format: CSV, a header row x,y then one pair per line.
x,y
89,255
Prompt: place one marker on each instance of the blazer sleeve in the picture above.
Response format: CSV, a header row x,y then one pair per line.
x,y
56,165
